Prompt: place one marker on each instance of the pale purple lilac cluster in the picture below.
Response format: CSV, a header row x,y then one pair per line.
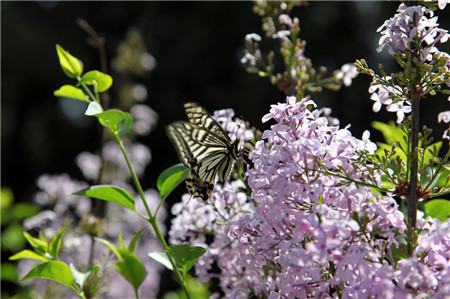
x,y
413,30
305,234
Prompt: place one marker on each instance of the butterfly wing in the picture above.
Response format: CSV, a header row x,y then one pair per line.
x,y
198,115
207,154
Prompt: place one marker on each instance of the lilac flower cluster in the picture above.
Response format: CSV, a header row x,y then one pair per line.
x,y
413,29
303,233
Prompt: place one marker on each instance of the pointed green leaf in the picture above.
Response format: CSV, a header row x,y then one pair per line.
x,y
71,66
132,269
81,277
70,91
137,236
40,245
438,208
117,121
185,255
28,254
101,81
161,257
122,247
109,193
170,178
94,108
53,270
111,247
55,243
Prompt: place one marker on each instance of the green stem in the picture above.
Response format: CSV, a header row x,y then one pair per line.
x,y
88,91
151,218
412,187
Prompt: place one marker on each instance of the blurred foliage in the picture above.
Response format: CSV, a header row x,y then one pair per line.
x,y
196,289
12,238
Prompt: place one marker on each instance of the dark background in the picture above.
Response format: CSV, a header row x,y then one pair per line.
x,y
197,45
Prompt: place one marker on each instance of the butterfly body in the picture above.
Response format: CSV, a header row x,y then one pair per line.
x,y
204,147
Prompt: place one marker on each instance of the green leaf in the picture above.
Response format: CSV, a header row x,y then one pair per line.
x,y
12,237
81,277
40,245
185,255
53,270
23,210
137,236
70,91
109,193
94,108
117,121
28,254
438,208
170,178
161,257
56,242
8,272
71,66
132,269
111,247
101,81
122,247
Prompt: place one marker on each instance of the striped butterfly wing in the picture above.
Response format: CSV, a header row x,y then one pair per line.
x,y
206,153
199,116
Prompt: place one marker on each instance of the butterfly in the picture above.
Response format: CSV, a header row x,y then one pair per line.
x,y
205,148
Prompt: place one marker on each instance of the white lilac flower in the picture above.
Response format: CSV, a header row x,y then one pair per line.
x,y
390,96
252,37
413,29
444,117
89,165
144,119
139,92
148,62
347,73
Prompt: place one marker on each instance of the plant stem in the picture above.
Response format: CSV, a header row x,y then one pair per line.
x,y
412,188
151,218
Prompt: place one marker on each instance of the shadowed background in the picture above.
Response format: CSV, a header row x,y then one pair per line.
x,y
197,46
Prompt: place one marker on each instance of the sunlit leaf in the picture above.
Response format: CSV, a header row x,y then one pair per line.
x,y
137,236
72,92
170,178
111,247
71,66
438,208
55,243
185,255
53,270
39,245
109,193
100,80
28,254
132,269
